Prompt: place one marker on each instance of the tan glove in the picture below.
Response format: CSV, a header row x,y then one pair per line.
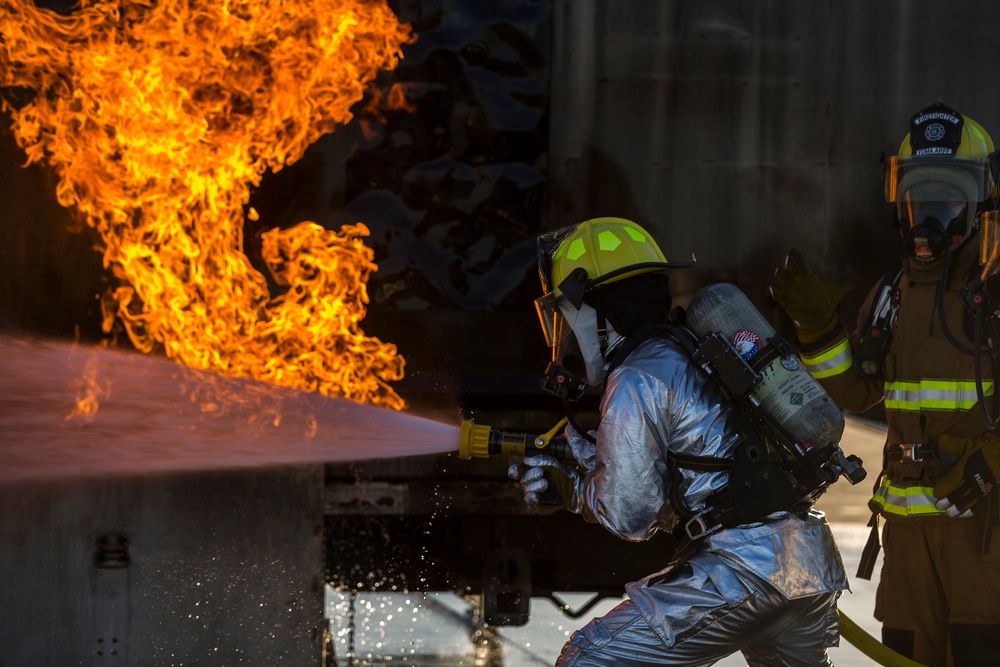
x,y
810,302
972,477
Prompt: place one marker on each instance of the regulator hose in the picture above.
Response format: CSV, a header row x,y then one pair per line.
x,y
870,646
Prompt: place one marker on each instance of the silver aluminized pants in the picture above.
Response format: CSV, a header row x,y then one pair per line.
x,y
770,630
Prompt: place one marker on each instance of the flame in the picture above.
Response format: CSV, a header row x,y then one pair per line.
x,y
158,117
88,392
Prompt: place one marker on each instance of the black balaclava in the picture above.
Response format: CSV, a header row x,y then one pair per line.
x,y
632,303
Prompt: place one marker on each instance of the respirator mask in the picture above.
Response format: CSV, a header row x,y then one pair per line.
x,y
933,216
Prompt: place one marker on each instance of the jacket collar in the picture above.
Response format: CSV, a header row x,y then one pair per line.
x,y
962,260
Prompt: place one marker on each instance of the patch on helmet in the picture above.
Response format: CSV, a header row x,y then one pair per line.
x,y
746,343
934,132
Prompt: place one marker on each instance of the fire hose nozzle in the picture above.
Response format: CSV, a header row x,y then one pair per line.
x,y
484,441
473,440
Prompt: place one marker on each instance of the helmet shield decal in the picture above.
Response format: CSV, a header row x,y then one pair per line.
x,y
936,130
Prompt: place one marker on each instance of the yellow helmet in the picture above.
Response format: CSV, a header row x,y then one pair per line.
x,y
576,259
943,175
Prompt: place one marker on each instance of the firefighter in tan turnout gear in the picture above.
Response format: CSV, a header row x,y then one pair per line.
x,y
926,344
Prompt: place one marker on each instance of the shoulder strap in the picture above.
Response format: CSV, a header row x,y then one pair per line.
x,y
875,338
882,305
675,332
686,339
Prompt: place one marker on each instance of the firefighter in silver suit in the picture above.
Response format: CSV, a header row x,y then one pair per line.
x,y
768,589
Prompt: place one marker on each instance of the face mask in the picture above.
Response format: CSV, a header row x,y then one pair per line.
x,y
933,224
928,241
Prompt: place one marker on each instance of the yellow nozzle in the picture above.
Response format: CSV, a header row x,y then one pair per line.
x,y
485,441
473,440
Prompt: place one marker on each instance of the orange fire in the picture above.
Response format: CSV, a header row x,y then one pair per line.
x,y
158,117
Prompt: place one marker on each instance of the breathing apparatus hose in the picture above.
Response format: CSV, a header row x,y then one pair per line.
x,y
942,317
978,363
870,646
977,350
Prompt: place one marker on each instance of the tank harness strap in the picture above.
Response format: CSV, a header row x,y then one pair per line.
x,y
875,336
757,487
868,363
701,463
679,334
693,524
870,553
990,520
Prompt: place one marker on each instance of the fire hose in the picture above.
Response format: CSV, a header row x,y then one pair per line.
x,y
481,441
870,646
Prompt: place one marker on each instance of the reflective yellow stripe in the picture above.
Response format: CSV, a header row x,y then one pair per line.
x,y
905,500
831,361
934,395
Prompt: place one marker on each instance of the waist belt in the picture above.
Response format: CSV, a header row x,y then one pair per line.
x,y
711,520
908,452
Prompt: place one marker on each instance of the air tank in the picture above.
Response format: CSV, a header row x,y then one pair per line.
x,y
786,392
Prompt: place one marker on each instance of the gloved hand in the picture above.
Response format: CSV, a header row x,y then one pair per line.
x,y
549,485
583,450
972,477
810,302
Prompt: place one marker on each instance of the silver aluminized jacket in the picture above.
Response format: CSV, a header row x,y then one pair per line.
x,y
656,401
